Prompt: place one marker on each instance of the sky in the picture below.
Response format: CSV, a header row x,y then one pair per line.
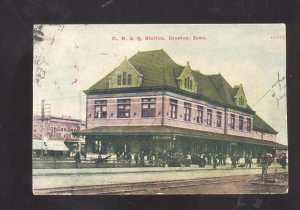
x,y
71,58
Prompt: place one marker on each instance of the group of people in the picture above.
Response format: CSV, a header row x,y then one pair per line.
x,y
176,159
283,161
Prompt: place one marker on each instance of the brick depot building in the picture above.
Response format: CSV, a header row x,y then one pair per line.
x,y
151,104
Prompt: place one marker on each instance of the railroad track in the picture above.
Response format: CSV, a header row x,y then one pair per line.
x,y
140,187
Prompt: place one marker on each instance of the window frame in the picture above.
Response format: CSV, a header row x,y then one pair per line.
x,y
249,121
123,112
241,123
187,111
232,121
53,131
148,112
100,104
119,82
200,110
209,119
124,79
129,79
174,108
72,131
219,119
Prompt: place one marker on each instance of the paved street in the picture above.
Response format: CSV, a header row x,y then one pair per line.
x,y
56,178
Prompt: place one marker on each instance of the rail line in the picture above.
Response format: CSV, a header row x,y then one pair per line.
x,y
139,187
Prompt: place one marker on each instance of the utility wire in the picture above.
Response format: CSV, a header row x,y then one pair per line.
x,y
262,97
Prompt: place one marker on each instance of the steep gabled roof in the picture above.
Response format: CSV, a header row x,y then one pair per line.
x,y
260,125
159,70
206,87
103,83
223,88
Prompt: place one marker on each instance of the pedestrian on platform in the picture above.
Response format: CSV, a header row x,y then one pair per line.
x,y
233,161
129,158
219,159
283,162
142,159
209,159
77,159
136,159
264,165
215,161
224,159
248,161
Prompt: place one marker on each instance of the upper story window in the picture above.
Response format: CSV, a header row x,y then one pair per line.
x,y
241,101
232,121
73,130
200,114
173,104
219,119
124,79
248,124
53,131
187,111
188,83
148,107
209,117
123,108
100,109
63,132
241,122
119,79
129,79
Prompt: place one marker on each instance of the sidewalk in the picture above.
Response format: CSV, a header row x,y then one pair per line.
x,y
91,171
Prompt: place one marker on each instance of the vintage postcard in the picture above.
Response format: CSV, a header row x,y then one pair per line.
x,y
159,109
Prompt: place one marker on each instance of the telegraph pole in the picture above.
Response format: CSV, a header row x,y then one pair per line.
x,y
42,119
44,109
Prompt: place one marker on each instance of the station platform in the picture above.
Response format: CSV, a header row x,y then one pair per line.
x,y
124,170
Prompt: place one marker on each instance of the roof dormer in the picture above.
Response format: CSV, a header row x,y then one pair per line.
x,y
186,79
239,96
125,75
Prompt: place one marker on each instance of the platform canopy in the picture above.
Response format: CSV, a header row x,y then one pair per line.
x,y
50,145
172,131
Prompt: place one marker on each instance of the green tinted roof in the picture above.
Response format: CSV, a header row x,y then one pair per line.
x,y
260,125
159,70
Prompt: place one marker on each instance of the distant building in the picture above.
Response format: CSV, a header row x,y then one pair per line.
x,y
57,128
151,104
